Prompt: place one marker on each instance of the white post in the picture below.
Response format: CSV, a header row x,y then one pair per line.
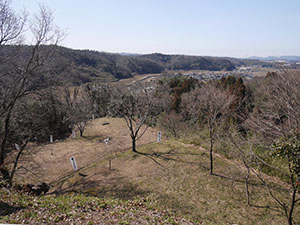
x,y
93,116
74,164
51,138
159,136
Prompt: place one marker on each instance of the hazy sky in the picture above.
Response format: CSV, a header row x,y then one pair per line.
x,y
238,28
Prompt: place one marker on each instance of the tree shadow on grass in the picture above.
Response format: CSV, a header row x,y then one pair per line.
x,y
106,183
126,191
172,155
6,209
274,187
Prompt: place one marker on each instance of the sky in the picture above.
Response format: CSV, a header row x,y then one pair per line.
x,y
235,28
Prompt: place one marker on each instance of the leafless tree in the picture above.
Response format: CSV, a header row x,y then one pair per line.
x,y
277,106
208,106
19,63
137,105
289,204
11,24
242,151
78,107
99,95
171,123
276,118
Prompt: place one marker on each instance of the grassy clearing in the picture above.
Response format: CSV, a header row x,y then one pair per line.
x,y
169,181
52,161
175,176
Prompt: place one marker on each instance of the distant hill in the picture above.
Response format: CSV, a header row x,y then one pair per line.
x,y
290,58
86,66
77,67
82,66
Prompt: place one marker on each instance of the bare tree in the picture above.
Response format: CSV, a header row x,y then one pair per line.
x,y
19,63
242,150
276,118
277,106
172,123
78,107
11,24
99,95
208,107
137,106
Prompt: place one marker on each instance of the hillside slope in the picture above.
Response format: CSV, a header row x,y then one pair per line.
x,y
171,178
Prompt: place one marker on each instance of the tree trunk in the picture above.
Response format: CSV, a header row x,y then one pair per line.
x,y
5,172
81,132
5,135
134,145
16,163
211,150
211,158
293,200
247,185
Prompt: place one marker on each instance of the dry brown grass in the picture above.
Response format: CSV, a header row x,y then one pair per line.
x,y
52,161
187,188
170,174
180,182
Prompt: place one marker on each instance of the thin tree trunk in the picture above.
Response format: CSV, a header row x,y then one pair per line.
x,y
4,171
211,158
7,120
247,185
6,130
16,163
211,150
290,216
293,200
134,144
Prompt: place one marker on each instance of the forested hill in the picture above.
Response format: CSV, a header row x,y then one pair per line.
x,y
84,65
81,66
